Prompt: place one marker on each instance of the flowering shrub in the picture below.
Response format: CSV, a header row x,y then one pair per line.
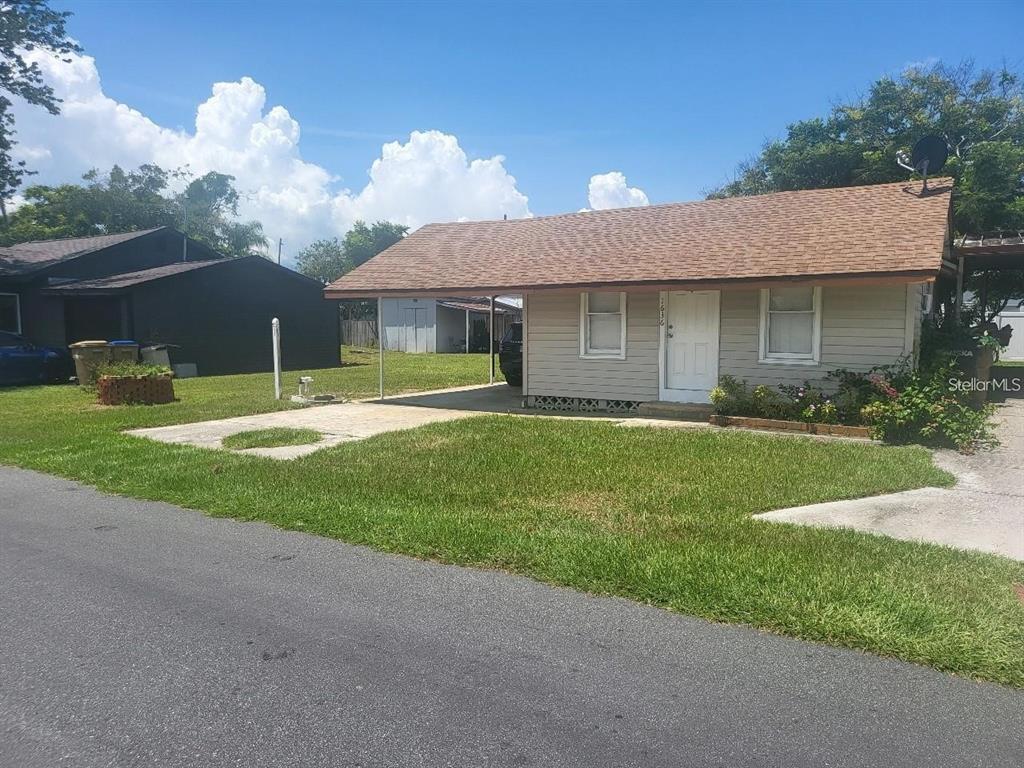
x,y
733,397
930,410
899,405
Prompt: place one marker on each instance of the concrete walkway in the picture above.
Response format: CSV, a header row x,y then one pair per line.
x,y
983,511
338,423
345,422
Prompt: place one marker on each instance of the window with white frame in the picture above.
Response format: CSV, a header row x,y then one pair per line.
x,y
603,324
790,325
10,313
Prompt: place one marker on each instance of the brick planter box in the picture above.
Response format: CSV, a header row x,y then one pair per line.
x,y
778,425
135,390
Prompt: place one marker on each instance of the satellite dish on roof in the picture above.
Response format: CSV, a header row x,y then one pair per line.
x,y
928,156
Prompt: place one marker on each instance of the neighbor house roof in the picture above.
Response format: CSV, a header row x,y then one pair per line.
x,y
890,229
121,282
24,258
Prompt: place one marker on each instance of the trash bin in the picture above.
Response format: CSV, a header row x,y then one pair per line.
x,y
88,356
157,354
124,351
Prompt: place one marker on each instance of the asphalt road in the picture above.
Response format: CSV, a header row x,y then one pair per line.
x,y
140,634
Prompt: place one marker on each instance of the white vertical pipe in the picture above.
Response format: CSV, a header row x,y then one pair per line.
x,y
380,345
490,341
467,331
275,336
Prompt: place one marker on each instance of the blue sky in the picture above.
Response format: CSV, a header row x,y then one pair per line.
x,y
672,95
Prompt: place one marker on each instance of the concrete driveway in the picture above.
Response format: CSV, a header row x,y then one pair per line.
x,y
140,634
983,511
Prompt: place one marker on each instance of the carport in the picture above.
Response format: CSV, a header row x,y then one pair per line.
x,y
989,254
381,346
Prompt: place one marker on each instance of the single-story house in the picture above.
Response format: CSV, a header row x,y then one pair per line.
x,y
443,325
627,306
148,286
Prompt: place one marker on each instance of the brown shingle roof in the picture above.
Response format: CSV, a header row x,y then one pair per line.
x,y
130,279
38,254
857,231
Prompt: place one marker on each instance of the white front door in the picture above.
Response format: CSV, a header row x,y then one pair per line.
x,y
691,346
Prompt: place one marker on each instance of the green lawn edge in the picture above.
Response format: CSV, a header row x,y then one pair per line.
x,y
538,513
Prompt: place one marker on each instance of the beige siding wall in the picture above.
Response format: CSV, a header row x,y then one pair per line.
x,y
553,350
860,327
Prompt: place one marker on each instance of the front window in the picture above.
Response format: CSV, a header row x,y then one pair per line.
x,y
790,324
10,313
603,324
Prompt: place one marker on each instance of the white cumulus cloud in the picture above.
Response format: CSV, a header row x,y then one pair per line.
x,y
427,178
609,190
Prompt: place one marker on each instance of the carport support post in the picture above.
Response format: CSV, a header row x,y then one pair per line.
x,y
380,345
467,331
490,339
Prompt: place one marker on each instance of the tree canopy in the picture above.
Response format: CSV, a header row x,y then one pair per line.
x,y
327,260
121,201
980,114
25,25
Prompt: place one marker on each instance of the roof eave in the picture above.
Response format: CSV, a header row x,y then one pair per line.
x,y
854,278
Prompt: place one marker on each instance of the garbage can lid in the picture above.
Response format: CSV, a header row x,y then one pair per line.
x,y
124,343
90,343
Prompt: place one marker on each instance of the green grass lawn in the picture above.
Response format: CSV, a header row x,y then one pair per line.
x,y
274,437
658,515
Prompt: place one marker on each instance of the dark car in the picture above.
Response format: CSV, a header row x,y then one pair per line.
x,y
510,355
22,362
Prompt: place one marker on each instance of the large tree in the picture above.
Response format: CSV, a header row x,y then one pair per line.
x,y
980,114
323,260
363,242
25,25
327,260
120,201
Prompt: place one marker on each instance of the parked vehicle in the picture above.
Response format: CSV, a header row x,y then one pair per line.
x,y
510,355
22,362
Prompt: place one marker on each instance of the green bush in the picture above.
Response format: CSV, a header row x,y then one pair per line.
x,y
127,370
899,405
733,397
931,410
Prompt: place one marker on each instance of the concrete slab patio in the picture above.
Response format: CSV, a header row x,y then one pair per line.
x,y
338,423
345,422
983,511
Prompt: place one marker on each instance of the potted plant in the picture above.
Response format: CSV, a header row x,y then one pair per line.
x,y
129,383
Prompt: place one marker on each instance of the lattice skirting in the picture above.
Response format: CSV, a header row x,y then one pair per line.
x,y
584,404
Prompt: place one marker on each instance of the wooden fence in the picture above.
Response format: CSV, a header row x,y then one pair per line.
x,y
359,333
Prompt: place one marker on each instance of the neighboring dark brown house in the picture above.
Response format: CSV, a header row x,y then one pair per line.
x,y
136,285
